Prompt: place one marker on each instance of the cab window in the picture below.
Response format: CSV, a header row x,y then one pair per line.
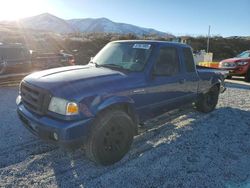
x,y
188,60
167,63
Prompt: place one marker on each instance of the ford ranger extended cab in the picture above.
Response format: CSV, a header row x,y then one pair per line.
x,y
100,104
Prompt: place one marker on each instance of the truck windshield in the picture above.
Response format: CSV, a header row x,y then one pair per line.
x,y
128,56
244,55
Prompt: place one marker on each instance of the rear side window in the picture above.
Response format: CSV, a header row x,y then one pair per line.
x,y
189,60
167,63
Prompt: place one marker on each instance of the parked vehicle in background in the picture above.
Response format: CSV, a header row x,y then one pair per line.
x,y
66,58
16,58
238,66
101,104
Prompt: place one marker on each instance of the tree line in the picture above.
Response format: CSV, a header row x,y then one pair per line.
x,y
86,45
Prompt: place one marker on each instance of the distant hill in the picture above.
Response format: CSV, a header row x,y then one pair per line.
x,y
49,22
108,26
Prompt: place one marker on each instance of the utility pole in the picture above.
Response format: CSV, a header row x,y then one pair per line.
x,y
208,37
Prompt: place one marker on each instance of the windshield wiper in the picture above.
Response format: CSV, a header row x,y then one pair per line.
x,y
111,65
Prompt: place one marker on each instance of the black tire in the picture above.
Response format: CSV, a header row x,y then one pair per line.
x,y
208,101
110,138
247,77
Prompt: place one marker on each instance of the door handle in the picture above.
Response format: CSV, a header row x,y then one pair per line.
x,y
182,81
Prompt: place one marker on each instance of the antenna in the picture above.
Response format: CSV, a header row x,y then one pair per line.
x,y
208,37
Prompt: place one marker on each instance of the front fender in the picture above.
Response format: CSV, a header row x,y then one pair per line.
x,y
92,105
120,101
114,100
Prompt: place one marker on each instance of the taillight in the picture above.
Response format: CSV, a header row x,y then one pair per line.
x,y
72,61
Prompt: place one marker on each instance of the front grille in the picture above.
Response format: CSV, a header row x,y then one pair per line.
x,y
34,98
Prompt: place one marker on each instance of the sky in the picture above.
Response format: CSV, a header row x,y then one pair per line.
x,y
179,17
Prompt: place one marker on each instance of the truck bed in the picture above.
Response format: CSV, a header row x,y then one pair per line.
x,y
209,69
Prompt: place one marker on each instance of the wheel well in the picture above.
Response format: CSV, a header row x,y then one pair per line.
x,y
217,85
127,109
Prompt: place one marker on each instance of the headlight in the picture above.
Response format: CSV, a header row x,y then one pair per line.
x,y
63,107
227,65
242,63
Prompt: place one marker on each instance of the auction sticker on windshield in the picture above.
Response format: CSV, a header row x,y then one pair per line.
x,y
142,46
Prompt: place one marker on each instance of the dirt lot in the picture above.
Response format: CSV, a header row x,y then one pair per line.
x,y
183,148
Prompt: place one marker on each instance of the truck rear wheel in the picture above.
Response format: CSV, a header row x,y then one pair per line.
x,y
110,138
208,101
247,77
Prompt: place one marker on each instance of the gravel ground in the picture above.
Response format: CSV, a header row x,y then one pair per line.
x,y
182,148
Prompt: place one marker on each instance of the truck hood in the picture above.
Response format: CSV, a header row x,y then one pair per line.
x,y
235,59
73,80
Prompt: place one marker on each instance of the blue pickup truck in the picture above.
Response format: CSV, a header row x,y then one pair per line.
x,y
101,104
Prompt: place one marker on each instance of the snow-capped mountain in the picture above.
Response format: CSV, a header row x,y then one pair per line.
x,y
47,22
50,22
108,26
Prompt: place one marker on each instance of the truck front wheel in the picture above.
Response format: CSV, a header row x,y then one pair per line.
x,y
110,138
208,101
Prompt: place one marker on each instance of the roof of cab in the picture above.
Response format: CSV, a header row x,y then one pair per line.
x,y
156,42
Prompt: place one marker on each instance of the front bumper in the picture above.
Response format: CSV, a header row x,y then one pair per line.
x,y
237,71
66,133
